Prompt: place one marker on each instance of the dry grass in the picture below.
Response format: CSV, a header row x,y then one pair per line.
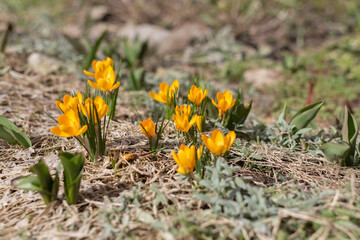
x,y
26,97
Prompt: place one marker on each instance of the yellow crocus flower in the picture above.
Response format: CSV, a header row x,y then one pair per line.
x,y
101,107
69,125
198,122
166,93
70,103
182,122
225,102
99,66
183,110
217,144
186,158
196,95
105,80
149,126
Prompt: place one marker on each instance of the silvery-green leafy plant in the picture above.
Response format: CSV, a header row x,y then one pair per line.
x,y
344,152
133,55
290,132
42,183
73,168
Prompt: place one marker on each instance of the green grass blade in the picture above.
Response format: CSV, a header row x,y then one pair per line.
x,y
92,54
4,134
20,137
303,117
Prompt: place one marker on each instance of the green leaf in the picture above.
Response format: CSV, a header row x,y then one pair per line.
x,y
130,54
349,134
11,129
137,79
239,113
73,168
28,183
42,172
4,134
303,117
92,54
350,129
336,152
77,45
134,52
41,183
283,112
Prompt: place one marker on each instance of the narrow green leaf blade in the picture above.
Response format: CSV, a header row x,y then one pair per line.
x,y
92,54
20,137
4,134
350,129
303,117
43,174
28,183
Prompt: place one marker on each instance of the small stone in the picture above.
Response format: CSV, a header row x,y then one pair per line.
x,y
72,31
261,78
153,34
43,64
182,37
97,29
99,12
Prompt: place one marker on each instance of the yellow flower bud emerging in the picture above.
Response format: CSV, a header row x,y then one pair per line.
x,y
148,128
196,95
182,121
105,81
104,75
186,158
70,103
183,110
217,144
166,93
69,125
99,66
199,122
101,107
225,102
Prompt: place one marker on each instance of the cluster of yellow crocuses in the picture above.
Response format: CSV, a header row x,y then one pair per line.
x,y
83,117
73,106
185,117
104,75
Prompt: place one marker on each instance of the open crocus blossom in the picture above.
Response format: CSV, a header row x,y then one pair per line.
x,y
217,144
101,107
99,66
186,158
196,95
69,125
148,128
182,122
105,80
70,103
183,110
166,93
225,102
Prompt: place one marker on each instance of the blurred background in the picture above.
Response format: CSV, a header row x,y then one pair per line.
x,y
277,51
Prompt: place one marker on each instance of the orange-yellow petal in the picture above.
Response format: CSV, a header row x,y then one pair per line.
x,y
157,97
93,84
90,74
